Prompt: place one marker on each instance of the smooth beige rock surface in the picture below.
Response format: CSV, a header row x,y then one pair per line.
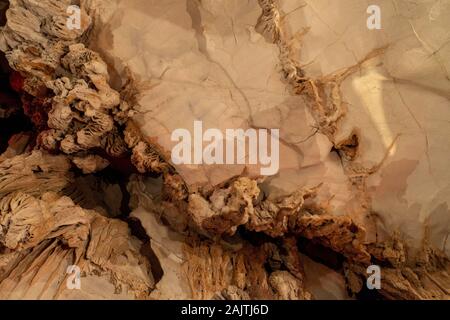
x,y
205,60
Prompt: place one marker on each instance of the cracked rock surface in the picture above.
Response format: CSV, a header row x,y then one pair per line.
x,y
364,142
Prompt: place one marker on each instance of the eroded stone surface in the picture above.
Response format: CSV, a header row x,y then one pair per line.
x,y
53,233
363,137
215,61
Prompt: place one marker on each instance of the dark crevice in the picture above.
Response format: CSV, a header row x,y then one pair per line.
x,y
321,254
254,238
349,147
4,5
139,232
112,176
367,294
12,117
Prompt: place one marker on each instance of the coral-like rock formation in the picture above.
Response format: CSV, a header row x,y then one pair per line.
x,y
362,117
51,234
43,233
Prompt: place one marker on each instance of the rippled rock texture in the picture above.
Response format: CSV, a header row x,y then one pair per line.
x,y
363,128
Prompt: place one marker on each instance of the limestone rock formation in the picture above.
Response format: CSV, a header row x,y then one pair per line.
x,y
361,116
42,234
